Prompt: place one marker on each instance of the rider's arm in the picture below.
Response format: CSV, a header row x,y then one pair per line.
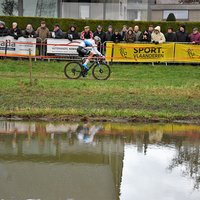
x,y
94,47
96,51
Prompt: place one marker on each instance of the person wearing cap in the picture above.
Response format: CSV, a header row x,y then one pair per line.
x,y
109,33
130,37
195,36
182,34
29,32
57,32
124,31
100,33
72,34
116,37
137,32
15,31
3,29
43,33
151,27
170,36
86,34
157,37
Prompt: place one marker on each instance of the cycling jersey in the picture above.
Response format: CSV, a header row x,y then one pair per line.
x,y
90,43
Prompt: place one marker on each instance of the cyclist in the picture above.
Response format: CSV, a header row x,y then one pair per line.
x,y
89,43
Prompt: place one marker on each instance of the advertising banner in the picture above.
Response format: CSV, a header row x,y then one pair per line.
x,y
63,46
18,47
139,52
187,53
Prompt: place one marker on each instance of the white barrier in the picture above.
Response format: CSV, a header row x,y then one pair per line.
x,y
63,46
18,47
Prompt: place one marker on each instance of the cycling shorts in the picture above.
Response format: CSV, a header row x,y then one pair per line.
x,y
82,51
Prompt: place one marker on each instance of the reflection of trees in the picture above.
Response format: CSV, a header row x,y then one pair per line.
x,y
187,155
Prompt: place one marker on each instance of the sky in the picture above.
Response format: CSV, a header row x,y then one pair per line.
x,y
146,176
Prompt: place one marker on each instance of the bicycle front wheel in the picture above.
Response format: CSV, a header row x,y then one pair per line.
x,y
72,70
101,71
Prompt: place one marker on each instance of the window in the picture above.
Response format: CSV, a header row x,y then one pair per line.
x,y
132,1
121,8
179,14
84,12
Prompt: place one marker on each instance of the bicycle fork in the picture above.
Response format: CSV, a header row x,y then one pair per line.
x,y
100,70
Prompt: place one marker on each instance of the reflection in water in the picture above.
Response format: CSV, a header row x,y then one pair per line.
x,y
98,161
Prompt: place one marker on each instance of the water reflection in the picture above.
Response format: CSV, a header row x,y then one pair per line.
x,y
98,161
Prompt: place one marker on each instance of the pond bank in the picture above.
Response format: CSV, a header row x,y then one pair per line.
x,y
86,118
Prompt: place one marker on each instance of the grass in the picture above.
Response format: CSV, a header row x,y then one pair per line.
x,y
133,91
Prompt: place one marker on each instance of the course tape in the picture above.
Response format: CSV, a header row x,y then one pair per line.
x,y
116,47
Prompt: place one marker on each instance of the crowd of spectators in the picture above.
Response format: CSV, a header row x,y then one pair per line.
x,y
128,35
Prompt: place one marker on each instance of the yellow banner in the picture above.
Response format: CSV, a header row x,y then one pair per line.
x,y
187,53
138,52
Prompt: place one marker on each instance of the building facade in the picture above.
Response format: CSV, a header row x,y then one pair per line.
x,y
135,10
184,10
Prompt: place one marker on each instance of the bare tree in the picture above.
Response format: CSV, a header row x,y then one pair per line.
x,y
9,6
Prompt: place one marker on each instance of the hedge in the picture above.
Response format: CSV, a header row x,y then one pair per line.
x,y
80,23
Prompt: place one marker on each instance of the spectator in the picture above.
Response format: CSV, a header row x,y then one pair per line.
x,y
43,33
15,31
57,32
145,36
116,37
130,36
157,37
109,33
137,32
72,34
182,34
3,29
170,36
195,36
100,33
123,32
86,34
151,27
29,32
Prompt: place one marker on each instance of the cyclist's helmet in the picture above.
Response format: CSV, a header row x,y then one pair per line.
x,y
97,38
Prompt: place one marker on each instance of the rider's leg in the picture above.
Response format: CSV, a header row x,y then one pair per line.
x,y
88,58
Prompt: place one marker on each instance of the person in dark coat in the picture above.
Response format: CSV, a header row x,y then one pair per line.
x,y
100,33
3,29
170,36
29,32
130,37
116,37
57,32
123,32
15,31
145,36
182,34
72,34
109,33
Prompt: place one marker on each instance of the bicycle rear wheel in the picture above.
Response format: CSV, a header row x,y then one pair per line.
x,y
101,71
72,70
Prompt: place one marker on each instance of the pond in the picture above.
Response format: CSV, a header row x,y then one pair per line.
x,y
72,161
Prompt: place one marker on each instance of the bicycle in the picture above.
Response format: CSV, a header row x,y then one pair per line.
x,y
75,69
